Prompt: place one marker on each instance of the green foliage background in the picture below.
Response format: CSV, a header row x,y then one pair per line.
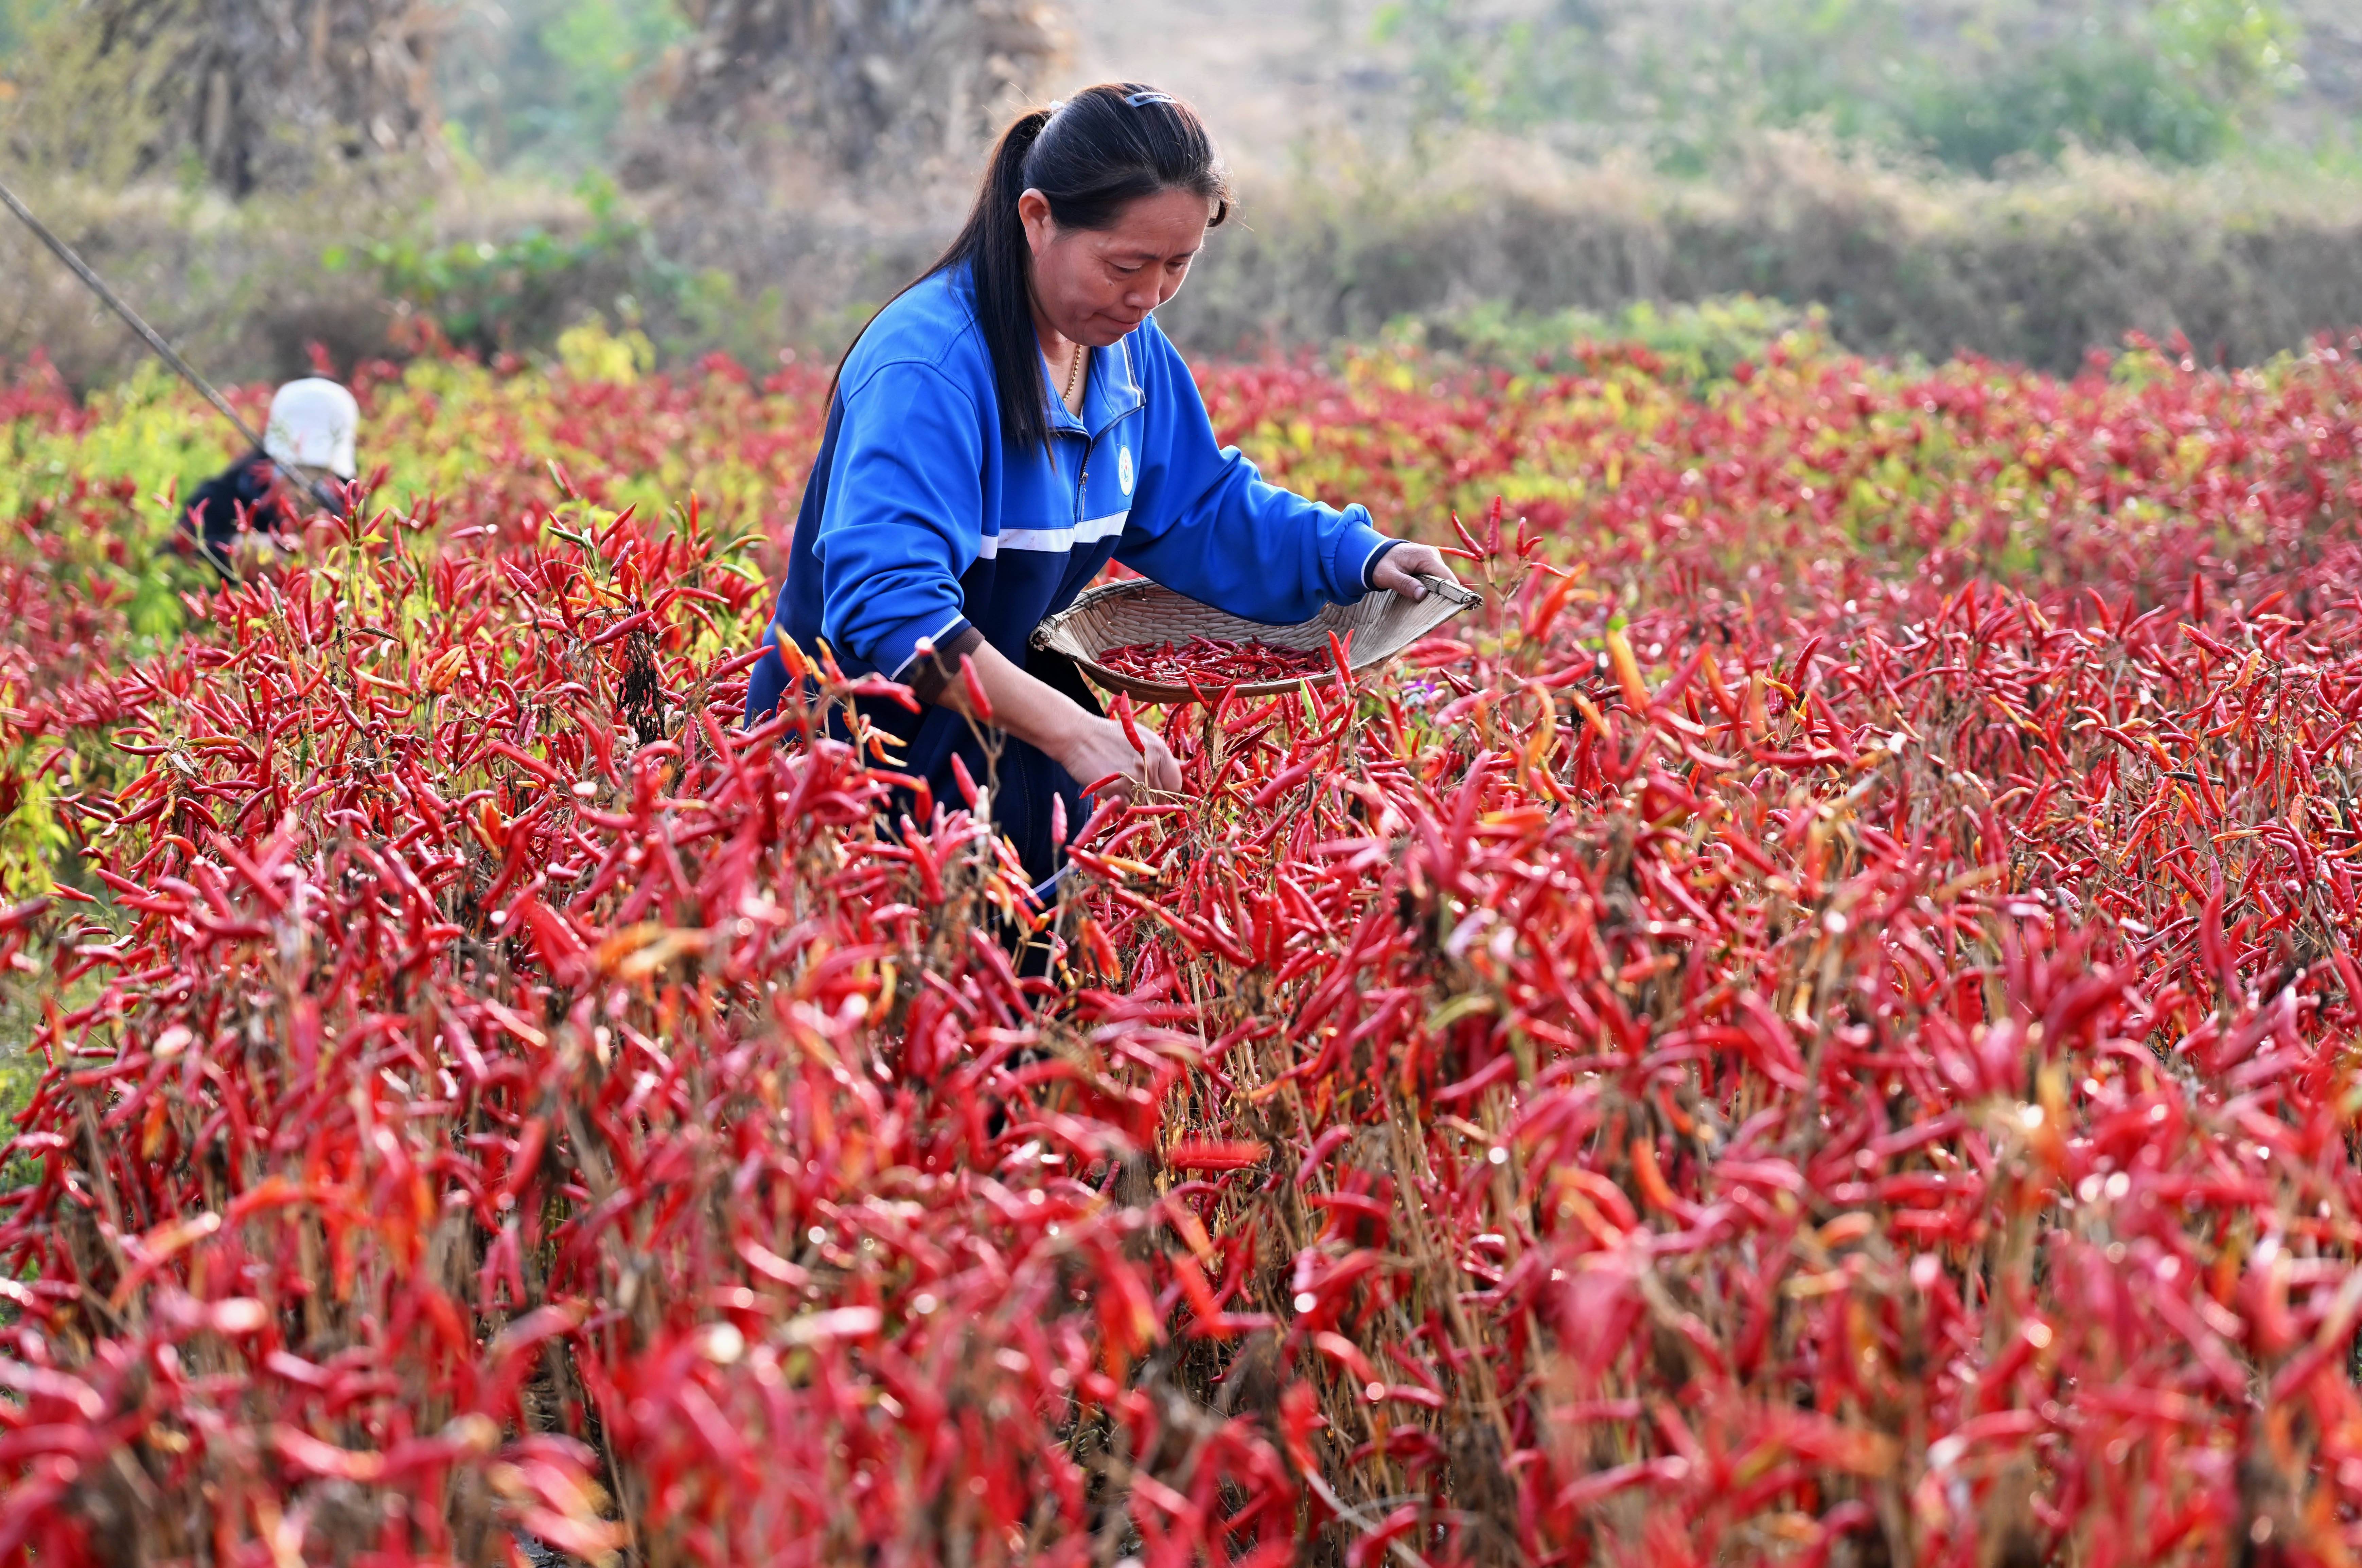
x,y
545,84
19,19
2182,81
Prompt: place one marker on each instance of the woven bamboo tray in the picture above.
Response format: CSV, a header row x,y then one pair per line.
x,y
1117,615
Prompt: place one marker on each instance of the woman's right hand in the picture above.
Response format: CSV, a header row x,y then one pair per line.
x,y
1098,748
1089,747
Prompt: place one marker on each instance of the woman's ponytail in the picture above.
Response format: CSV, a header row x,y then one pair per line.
x,y
1090,156
994,242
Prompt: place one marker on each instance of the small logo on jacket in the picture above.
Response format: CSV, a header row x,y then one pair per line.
x,y
1123,469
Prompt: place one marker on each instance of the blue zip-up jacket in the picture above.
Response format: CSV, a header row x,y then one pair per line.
x,y
920,522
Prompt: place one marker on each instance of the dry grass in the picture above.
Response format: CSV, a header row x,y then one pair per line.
x,y
2037,270
240,288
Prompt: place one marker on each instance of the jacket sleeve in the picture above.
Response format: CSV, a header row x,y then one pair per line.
x,y
904,518
1205,524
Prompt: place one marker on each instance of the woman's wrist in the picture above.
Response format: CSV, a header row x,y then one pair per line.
x,y
1066,727
1037,713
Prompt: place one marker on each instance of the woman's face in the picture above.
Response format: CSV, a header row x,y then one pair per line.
x,y
1093,285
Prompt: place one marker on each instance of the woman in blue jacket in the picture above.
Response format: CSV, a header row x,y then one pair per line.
x,y
1013,420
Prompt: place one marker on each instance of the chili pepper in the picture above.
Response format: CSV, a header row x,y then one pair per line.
x,y
624,627
978,702
741,1123
1123,717
968,786
1207,661
1337,648
1281,783
1201,1155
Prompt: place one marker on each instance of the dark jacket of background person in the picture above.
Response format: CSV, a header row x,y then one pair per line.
x,y
246,495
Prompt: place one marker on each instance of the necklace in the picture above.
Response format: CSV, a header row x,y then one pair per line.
x,y
1074,376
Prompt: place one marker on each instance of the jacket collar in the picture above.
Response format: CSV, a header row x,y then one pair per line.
x,y
1109,391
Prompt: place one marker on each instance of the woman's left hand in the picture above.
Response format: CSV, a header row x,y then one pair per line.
x,y
1401,567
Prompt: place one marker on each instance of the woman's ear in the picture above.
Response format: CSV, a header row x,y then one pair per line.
x,y
1033,212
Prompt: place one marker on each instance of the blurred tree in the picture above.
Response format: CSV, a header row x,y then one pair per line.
x,y
237,94
1971,85
18,21
549,84
883,88
2180,80
1682,78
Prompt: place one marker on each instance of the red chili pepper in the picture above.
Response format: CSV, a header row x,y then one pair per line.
x,y
1209,662
967,783
1680,1088
978,703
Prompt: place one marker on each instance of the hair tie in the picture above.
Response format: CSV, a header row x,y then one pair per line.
x,y
1141,100
1052,114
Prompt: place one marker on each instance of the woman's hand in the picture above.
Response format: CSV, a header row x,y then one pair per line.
x,y
1401,567
1089,747
1099,747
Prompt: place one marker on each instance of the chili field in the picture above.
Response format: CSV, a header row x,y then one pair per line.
x,y
1817,1026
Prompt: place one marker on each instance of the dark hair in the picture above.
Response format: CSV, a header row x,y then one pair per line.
x,y
1091,156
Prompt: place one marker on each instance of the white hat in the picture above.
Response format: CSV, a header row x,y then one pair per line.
x,y
313,423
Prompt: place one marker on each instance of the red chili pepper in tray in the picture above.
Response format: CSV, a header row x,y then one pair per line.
x,y
1212,664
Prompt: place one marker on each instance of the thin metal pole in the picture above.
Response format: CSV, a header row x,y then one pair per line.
x,y
320,490
97,285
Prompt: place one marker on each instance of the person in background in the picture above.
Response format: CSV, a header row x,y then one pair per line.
x,y
312,431
1016,419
